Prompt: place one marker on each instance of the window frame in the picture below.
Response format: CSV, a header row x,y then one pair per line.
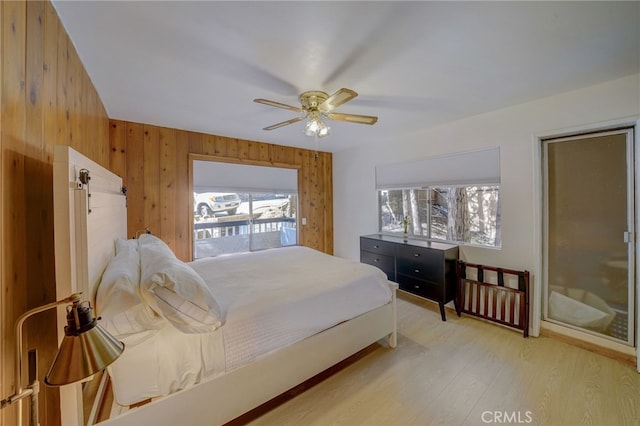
x,y
212,158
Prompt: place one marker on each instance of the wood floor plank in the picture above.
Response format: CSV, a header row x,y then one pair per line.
x,y
464,372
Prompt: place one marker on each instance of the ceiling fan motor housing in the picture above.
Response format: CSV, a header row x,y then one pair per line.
x,y
311,100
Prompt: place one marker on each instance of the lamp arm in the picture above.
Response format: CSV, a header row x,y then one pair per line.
x,y
20,393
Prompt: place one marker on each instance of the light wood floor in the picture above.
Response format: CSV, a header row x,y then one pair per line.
x,y
468,372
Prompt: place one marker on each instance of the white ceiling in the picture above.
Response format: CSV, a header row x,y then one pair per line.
x,y
199,65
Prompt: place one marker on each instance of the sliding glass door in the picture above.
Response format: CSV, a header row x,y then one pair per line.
x,y
588,229
240,207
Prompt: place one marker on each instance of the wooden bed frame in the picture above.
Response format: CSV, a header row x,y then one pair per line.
x,y
88,218
493,300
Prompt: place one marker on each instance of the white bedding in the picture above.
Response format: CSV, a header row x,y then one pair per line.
x,y
268,299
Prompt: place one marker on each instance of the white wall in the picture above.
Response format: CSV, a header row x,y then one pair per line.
x,y
514,130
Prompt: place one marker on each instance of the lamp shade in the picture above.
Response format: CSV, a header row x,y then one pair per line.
x,y
86,348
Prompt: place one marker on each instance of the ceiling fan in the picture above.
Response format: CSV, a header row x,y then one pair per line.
x,y
315,106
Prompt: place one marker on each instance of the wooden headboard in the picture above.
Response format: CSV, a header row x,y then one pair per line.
x,y
89,214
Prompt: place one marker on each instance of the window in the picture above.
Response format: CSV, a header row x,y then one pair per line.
x,y
459,214
239,208
453,197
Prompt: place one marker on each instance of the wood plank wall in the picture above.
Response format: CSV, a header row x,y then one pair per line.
x,y
47,98
154,164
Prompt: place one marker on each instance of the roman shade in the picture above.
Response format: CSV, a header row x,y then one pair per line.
x,y
215,176
464,168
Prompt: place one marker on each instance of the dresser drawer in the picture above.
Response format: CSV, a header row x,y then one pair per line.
x,y
382,261
420,254
421,288
377,246
427,267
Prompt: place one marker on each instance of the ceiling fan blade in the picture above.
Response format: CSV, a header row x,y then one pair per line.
x,y
352,118
278,105
334,101
285,123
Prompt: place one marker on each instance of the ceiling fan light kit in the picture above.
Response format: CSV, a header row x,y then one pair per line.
x,y
315,126
316,105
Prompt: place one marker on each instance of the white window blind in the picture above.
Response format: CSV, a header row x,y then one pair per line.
x,y
471,167
215,176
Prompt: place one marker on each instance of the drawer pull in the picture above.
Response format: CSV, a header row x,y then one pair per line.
x,y
416,254
376,246
416,271
376,260
416,286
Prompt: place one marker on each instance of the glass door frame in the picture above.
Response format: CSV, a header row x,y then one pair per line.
x,y
629,235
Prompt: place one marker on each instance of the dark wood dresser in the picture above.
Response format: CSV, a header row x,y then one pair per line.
x,y
423,268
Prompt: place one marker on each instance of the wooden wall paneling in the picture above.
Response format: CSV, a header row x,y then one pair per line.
x,y
38,209
51,27
87,105
34,148
36,185
303,192
4,370
319,160
13,146
195,141
151,161
150,177
135,178
267,152
49,399
283,154
117,148
46,99
220,147
168,178
311,159
5,347
99,120
67,70
314,215
204,143
207,144
183,198
259,151
232,148
243,149
327,183
61,89
303,196
49,80
71,101
83,105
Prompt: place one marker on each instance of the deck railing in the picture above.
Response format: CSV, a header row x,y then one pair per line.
x,y
230,228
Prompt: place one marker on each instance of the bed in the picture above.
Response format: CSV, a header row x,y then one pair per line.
x,y
257,324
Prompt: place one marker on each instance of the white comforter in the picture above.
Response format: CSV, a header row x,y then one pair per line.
x,y
269,299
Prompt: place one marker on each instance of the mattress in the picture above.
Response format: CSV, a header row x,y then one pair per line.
x,y
269,299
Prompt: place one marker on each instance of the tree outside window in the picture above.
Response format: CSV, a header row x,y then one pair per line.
x,y
458,214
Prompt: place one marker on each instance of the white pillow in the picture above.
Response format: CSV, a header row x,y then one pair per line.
x,y
117,300
174,290
126,245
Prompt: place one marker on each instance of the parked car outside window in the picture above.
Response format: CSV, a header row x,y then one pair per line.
x,y
209,203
